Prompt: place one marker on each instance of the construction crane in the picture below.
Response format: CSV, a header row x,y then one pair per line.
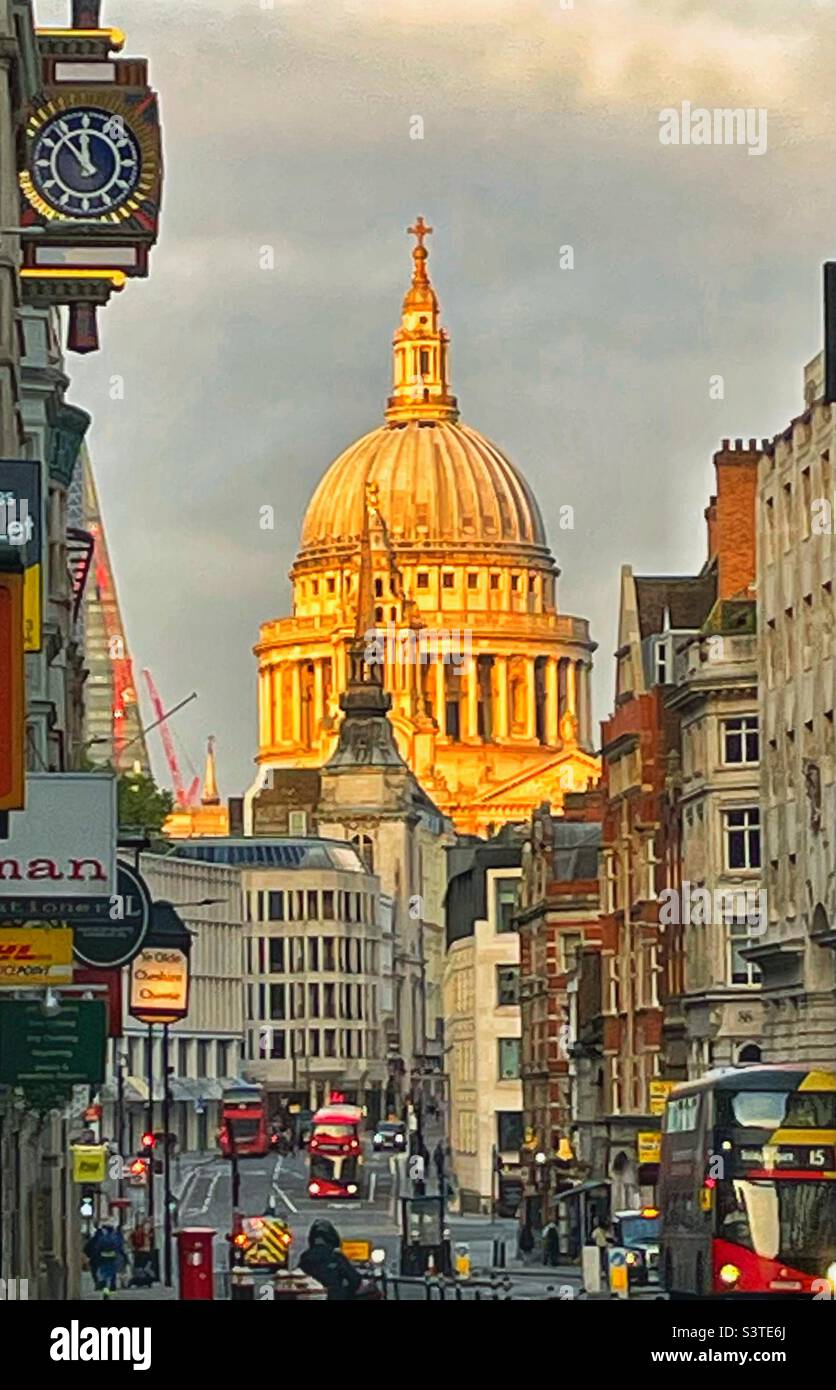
x,y
124,694
183,797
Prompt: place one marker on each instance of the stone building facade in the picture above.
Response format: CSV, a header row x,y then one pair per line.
x,y
797,676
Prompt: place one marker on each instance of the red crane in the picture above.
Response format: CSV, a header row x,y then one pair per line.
x,y
183,798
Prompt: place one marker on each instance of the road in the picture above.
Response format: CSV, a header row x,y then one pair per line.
x,y
205,1188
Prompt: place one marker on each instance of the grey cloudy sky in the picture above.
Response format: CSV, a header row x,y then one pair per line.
x,y
289,126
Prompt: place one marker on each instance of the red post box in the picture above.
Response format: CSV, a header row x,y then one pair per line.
x,y
194,1259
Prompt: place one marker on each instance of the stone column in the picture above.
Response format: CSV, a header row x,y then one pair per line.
x,y
500,665
530,699
440,697
551,702
586,704
317,695
472,727
264,709
277,717
571,689
296,713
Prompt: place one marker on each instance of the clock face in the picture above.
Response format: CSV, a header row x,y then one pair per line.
x,y
86,162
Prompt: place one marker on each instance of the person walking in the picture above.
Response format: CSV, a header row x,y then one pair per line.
x,y
439,1157
551,1244
602,1237
324,1261
525,1243
106,1252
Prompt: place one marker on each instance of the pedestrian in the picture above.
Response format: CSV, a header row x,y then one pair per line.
x,y
140,1243
106,1252
602,1237
525,1243
551,1244
438,1160
324,1261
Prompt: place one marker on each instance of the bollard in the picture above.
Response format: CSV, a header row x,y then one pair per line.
x,y
241,1286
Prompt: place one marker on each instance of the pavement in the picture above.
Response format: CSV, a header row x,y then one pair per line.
x,y
203,1188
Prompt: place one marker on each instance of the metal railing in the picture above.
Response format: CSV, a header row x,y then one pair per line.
x,y
439,1288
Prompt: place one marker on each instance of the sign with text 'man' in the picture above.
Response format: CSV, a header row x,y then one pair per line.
x,y
35,957
64,844
159,985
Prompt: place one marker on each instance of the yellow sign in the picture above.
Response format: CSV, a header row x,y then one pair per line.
x,y
649,1143
89,1162
33,957
358,1250
33,637
659,1092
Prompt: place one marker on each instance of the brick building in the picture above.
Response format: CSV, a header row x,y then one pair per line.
x,y
558,912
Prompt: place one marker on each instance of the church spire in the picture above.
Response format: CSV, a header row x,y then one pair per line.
x,y
210,795
421,380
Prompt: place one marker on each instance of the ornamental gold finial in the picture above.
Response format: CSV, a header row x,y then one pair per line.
x,y
420,252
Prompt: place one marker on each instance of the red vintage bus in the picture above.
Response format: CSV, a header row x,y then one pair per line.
x,y
335,1152
747,1184
243,1122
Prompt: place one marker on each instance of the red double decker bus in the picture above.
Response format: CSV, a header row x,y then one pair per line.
x,y
243,1122
335,1152
747,1184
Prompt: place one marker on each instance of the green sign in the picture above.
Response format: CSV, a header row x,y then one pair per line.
x,y
66,1047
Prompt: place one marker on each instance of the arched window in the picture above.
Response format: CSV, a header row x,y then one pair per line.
x,y
365,848
749,1052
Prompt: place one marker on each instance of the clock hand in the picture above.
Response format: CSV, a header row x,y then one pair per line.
x,y
83,156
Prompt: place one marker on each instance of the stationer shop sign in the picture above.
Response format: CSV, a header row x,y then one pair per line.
x,y
116,927
63,846
66,1048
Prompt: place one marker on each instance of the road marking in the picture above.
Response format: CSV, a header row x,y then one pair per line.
x,y
277,1170
372,1185
287,1201
213,1184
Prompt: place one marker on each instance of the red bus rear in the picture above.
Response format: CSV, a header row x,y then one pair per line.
x,y
335,1152
244,1129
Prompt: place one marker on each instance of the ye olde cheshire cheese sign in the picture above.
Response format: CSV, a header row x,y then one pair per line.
x,y
160,985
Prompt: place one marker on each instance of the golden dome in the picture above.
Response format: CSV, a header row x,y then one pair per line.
x,y
439,483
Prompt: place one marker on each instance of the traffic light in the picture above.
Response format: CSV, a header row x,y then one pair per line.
x,y
138,1168
148,1145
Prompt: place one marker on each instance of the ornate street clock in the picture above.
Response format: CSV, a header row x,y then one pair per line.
x,y
91,179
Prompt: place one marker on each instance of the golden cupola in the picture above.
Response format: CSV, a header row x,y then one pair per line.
x,y
489,683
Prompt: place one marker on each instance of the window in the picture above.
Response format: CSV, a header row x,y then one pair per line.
x,y
507,984
494,581
424,361
276,955
277,1001
330,1042
328,1010
330,583
509,1059
365,848
278,1044
275,907
328,953
422,580
570,946
378,588
313,905
447,579
509,1131
313,952
505,903
313,1001
740,740
202,1057
328,905
313,1044
743,931
661,666
472,579
515,581
743,838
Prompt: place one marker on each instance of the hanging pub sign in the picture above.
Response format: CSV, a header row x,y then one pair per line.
x,y
91,183
159,985
115,930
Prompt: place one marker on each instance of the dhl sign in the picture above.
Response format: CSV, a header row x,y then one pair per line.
x,y
35,956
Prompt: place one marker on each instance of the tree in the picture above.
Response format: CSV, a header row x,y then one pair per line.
x,y
142,802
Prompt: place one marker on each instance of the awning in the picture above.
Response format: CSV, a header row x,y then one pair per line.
x,y
589,1186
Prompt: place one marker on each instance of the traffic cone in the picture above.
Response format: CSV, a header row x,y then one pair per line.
x,y
431,1263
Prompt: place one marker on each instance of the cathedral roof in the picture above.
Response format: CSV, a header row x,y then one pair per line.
x,y
439,482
